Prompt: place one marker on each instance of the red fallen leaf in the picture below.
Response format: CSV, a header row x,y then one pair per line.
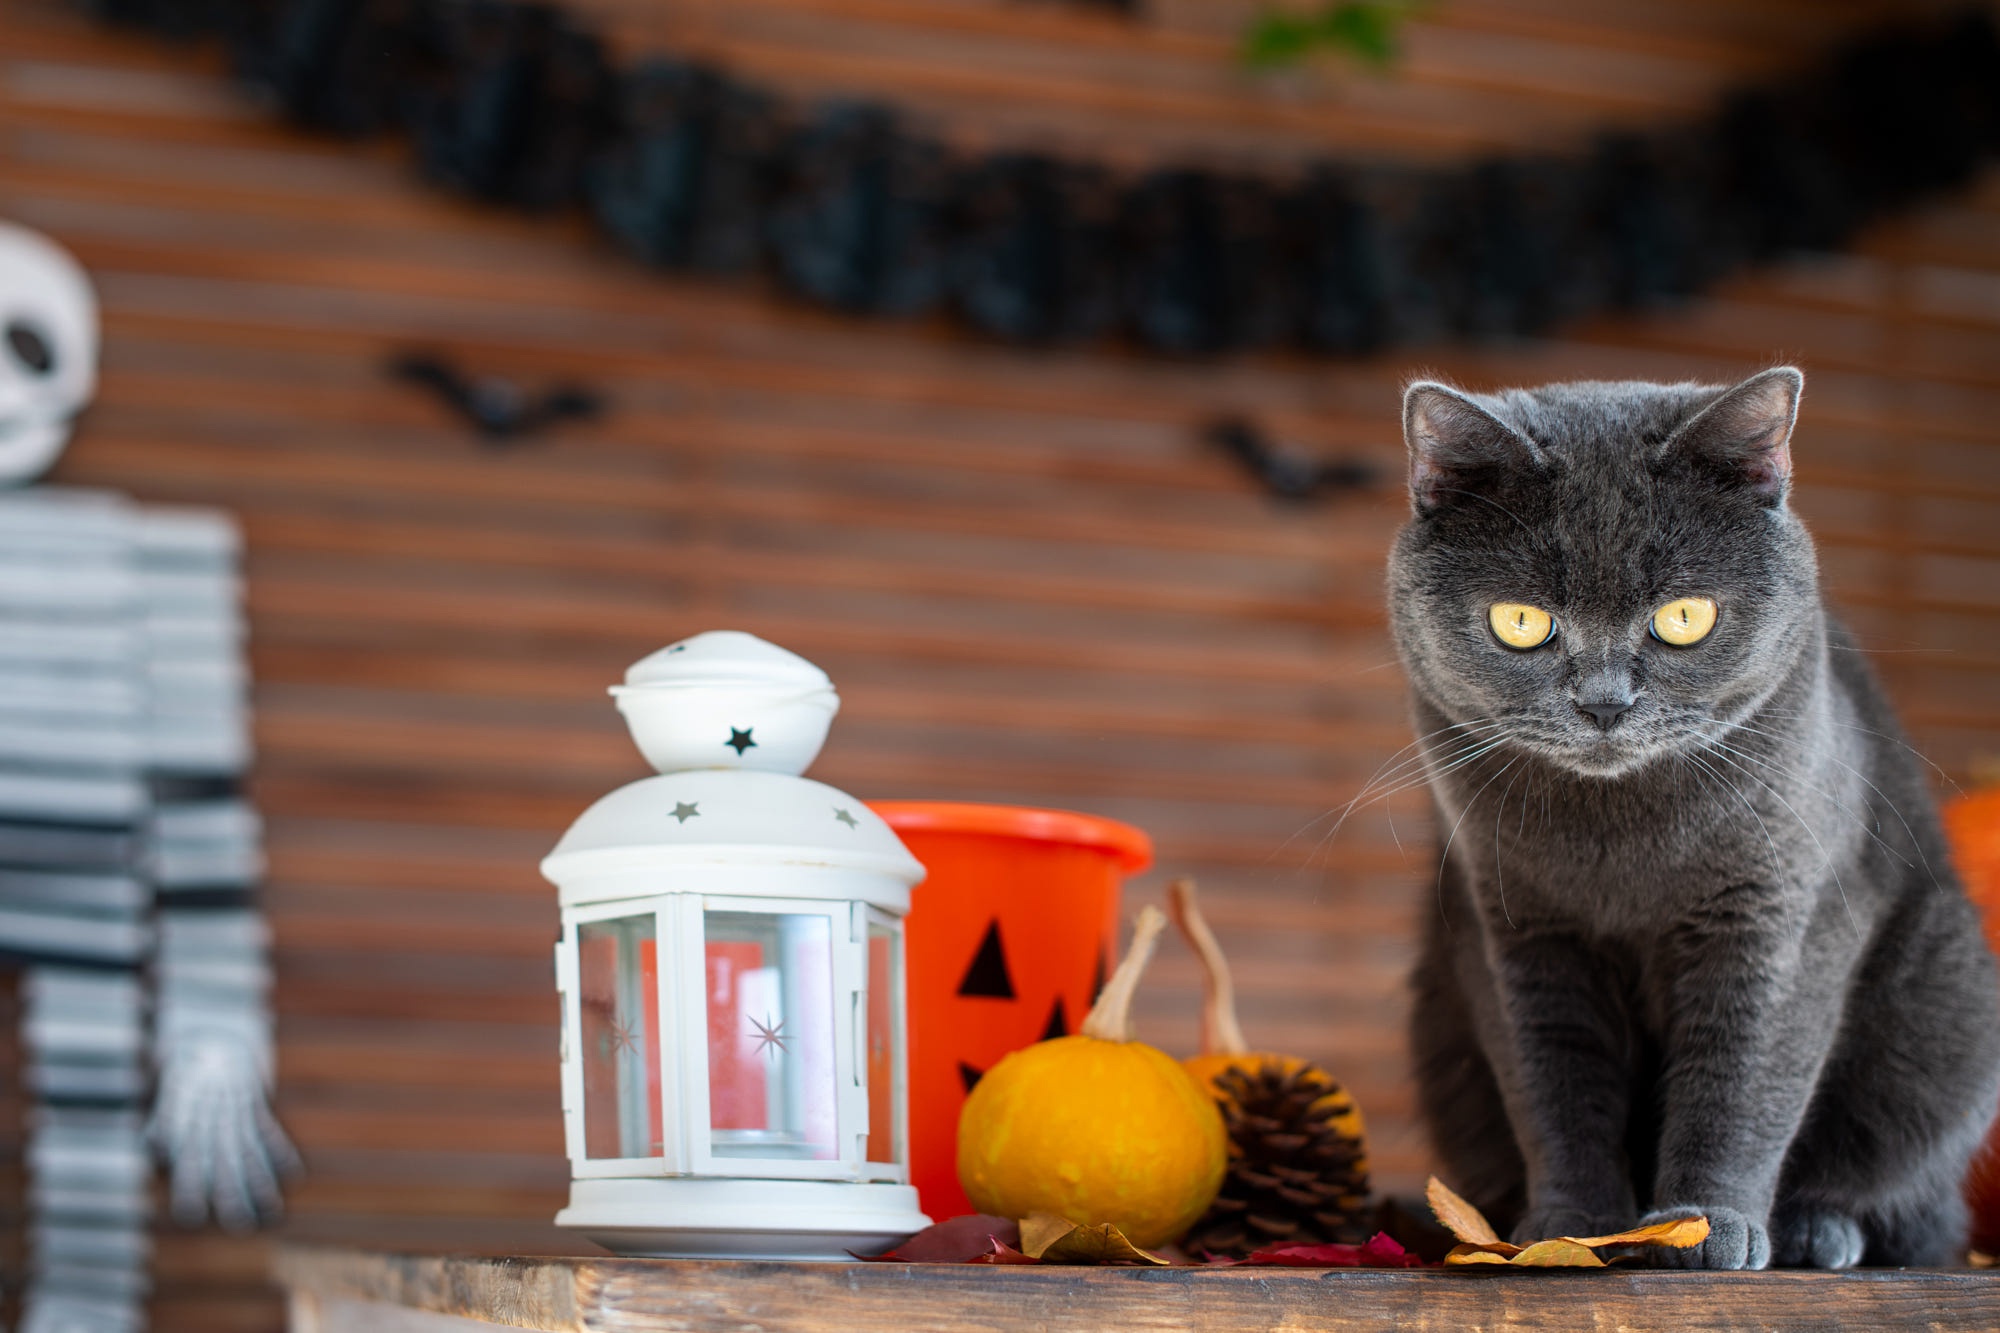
x,y
1003,1254
969,1239
1380,1251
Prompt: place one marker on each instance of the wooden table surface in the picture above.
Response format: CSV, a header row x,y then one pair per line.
x,y
347,1291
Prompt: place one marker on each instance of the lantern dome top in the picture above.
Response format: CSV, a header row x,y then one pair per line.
x,y
725,657
731,722
726,699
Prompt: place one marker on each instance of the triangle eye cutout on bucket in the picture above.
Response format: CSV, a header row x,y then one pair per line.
x,y
988,974
969,1076
1058,1022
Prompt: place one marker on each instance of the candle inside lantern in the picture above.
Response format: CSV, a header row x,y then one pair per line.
x,y
770,1035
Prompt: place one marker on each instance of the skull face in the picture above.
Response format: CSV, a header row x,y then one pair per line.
x,y
48,351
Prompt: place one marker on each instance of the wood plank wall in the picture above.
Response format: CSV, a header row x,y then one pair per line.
x,y
1031,580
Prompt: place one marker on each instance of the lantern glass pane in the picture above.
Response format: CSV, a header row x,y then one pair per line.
x,y
771,1088
618,976
884,1036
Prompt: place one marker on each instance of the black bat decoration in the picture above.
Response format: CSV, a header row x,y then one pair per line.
x,y
1286,473
499,409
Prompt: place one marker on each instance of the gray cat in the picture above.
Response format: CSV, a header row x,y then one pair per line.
x,y
1697,945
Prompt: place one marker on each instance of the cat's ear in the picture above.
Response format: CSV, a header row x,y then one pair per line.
x,y
1746,434
1453,442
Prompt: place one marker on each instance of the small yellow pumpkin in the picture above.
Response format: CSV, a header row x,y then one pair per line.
x,y
1097,1127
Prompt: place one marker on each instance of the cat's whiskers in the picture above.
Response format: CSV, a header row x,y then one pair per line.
x,y
1915,841
1869,731
1414,773
1722,752
1380,775
1499,871
1703,766
1476,749
1445,856
1794,775
1402,776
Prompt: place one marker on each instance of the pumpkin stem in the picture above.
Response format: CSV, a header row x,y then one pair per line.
x,y
1111,1017
1220,1034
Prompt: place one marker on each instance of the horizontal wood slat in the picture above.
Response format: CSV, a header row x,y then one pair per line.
x,y
653,1296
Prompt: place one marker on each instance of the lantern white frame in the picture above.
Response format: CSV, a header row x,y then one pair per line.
x,y
685,1130
766,844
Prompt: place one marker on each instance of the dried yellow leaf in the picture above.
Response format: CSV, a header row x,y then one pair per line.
x,y
1041,1230
1473,1254
1680,1233
1054,1239
1506,1249
1482,1245
1460,1218
1561,1252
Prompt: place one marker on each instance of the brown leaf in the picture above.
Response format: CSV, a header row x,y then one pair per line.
x,y
1473,1254
1056,1240
1041,1230
1680,1233
1577,1251
1506,1249
1562,1252
1460,1218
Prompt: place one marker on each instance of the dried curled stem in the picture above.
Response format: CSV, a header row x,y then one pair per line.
x,y
1111,1017
1220,1034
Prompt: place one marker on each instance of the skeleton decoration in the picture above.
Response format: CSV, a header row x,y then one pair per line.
x,y
48,368
128,854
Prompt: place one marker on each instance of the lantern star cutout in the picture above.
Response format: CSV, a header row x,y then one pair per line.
x,y
740,740
846,818
623,1039
686,810
770,1035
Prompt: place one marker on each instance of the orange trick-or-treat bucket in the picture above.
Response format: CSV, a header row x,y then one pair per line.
x,y
1010,936
1973,823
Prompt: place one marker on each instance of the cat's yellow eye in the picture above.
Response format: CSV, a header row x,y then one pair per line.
x,y
1519,625
1684,621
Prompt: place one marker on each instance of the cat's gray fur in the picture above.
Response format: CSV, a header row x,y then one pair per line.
x,y
1712,958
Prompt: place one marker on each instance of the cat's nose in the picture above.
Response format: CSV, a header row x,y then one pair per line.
x,y
1604,712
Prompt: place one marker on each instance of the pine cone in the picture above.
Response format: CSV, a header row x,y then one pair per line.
x,y
1298,1168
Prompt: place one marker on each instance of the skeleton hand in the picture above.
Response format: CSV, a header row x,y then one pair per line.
x,y
212,1121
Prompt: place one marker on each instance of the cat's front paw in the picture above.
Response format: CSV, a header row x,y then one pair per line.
x,y
1543,1223
1735,1240
1816,1238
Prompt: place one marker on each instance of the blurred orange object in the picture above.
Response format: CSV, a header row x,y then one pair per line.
x,y
1010,936
1973,824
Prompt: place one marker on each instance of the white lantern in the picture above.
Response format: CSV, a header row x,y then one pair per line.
x,y
731,966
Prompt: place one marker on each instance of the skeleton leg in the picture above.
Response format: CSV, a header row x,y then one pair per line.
x,y
88,1165
73,803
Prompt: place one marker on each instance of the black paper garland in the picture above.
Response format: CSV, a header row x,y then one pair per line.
x,y
691,170
1034,249
687,175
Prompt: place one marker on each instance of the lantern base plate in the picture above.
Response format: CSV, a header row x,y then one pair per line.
x,y
678,1217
